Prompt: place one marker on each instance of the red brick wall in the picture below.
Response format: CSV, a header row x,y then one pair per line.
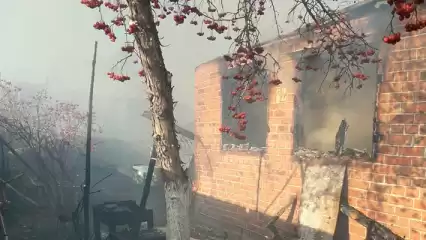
x,y
391,190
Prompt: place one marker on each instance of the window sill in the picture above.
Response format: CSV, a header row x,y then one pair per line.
x,y
244,149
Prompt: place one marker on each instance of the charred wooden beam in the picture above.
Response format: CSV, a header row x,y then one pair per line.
x,y
375,228
340,138
148,179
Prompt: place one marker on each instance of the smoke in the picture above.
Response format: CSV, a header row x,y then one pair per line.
x,y
324,107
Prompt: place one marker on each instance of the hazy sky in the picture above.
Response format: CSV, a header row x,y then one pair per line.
x,y
50,43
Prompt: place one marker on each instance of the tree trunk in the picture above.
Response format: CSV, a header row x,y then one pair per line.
x,y
177,206
176,184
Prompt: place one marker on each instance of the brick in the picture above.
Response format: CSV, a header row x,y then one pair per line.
x,y
415,234
353,173
391,150
422,130
358,184
398,180
409,107
403,222
401,118
412,151
416,41
398,200
357,193
420,118
400,231
420,96
412,192
397,160
414,65
402,97
396,129
401,76
385,108
420,204
398,191
411,129
408,54
378,178
408,213
395,67
390,87
380,188
419,182
421,53
388,218
418,162
401,140
382,168
403,171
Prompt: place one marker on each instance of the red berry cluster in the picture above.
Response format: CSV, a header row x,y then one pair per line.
x,y
180,15
215,26
119,21
107,30
118,77
92,3
225,129
112,6
405,10
133,28
393,38
360,76
179,19
248,61
242,125
411,27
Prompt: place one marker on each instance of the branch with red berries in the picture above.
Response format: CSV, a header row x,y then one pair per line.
x,y
328,33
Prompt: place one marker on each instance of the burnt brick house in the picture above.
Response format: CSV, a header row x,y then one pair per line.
x,y
239,189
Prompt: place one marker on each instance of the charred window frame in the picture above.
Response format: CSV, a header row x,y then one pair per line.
x,y
257,115
303,133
